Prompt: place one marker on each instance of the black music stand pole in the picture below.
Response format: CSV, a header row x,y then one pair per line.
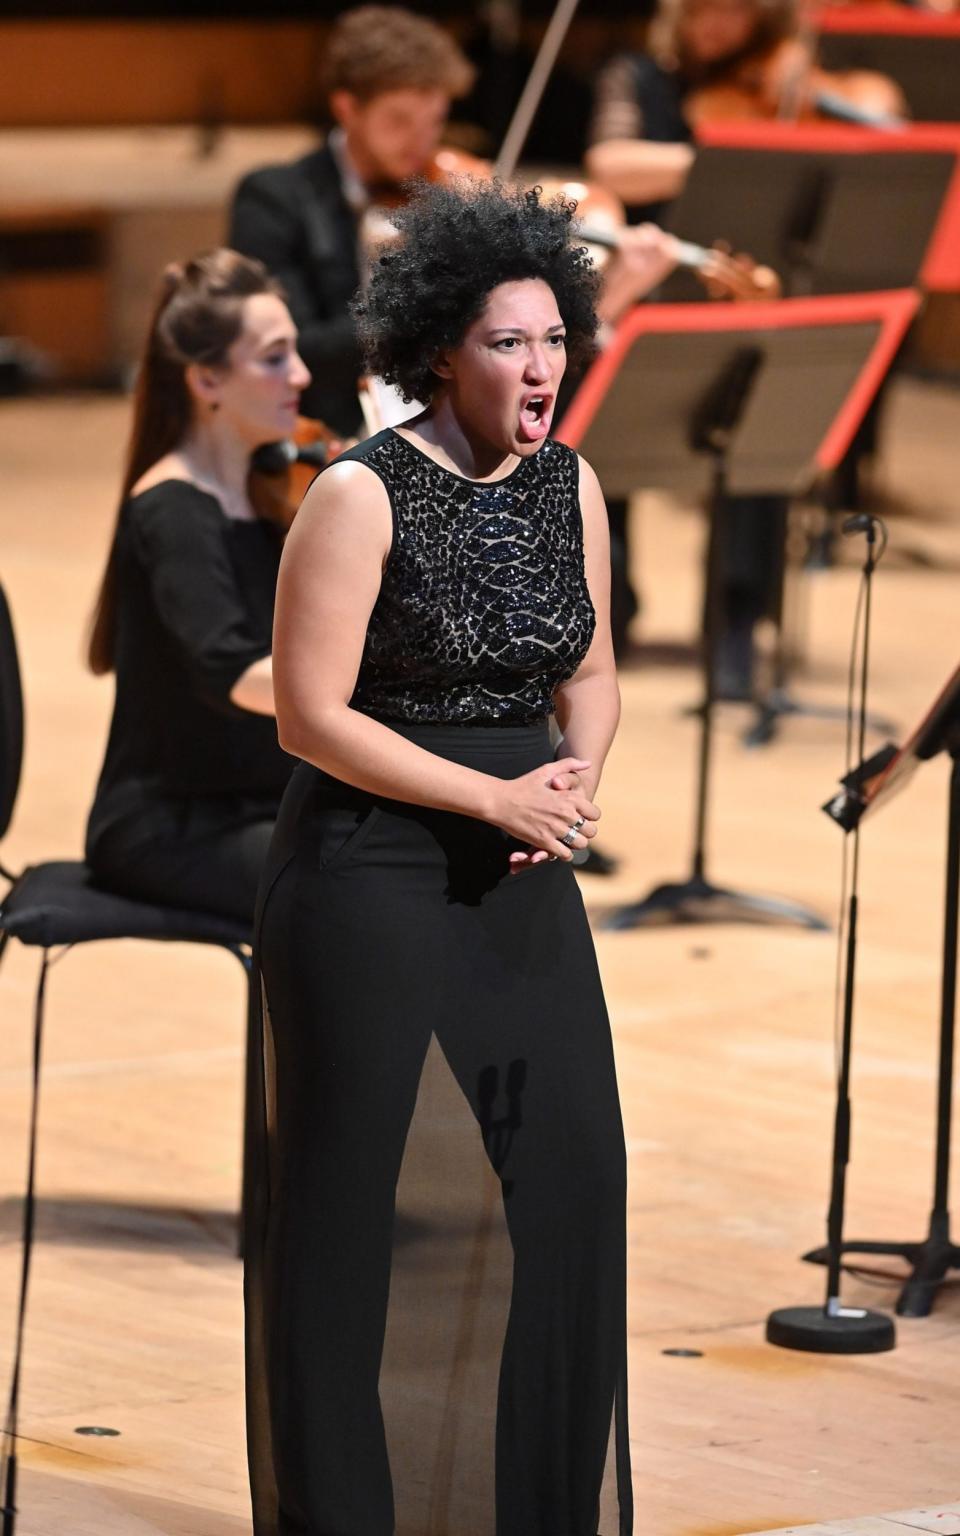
x,y
780,704
697,899
931,1259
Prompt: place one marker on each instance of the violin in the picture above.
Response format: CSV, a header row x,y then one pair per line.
x,y
784,82
603,223
284,471
445,165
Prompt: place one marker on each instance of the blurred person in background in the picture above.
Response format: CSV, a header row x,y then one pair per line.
x,y
193,773
390,78
641,149
646,104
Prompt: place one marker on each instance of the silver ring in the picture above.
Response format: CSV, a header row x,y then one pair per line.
x,y
579,823
569,836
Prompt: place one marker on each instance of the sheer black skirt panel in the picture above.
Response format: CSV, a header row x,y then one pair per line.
x,y
435,1281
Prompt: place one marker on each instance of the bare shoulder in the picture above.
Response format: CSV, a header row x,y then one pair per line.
x,y
346,486
348,501
588,478
592,503
170,467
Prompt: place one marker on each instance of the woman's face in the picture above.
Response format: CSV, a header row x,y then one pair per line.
x,y
502,379
714,30
258,392
393,136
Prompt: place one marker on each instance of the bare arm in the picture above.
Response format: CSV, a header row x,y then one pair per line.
x,y
253,690
640,170
588,704
329,580
644,256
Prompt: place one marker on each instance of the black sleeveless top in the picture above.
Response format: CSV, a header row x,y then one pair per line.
x,y
195,595
483,608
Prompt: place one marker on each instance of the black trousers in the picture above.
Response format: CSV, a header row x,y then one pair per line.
x,y
383,927
213,870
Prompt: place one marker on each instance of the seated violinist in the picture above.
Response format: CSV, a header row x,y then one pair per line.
x,y
641,149
193,776
641,133
709,60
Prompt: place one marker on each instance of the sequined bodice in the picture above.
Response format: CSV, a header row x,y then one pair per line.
x,y
483,609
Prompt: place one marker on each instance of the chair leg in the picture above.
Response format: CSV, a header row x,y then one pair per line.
x,y
29,1216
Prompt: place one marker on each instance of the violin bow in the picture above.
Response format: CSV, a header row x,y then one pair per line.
x,y
526,109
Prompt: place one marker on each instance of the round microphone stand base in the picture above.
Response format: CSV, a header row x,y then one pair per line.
x,y
846,1331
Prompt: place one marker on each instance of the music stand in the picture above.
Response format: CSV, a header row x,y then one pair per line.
x,y
833,209
864,791
712,401
919,49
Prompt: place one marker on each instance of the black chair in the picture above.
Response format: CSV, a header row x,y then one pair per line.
x,y
55,906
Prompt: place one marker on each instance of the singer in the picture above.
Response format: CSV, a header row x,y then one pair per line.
x,y
444,590
193,774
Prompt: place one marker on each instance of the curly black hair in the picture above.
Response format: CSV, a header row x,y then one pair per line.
x,y
458,241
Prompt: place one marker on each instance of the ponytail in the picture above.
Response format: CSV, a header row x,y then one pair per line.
x,y
197,317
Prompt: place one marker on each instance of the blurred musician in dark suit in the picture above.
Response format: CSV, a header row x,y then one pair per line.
x,y
390,77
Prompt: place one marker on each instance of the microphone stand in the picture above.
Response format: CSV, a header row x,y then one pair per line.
x,y
834,1329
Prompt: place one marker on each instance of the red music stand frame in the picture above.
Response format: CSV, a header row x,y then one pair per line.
x,y
892,311
895,20
940,272
696,898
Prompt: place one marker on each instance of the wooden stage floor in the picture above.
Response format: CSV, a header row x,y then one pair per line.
x,y
724,1038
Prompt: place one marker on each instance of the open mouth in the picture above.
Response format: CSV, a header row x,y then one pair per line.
x,y
535,414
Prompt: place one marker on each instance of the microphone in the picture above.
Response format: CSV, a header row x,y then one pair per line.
x,y
861,522
832,104
274,458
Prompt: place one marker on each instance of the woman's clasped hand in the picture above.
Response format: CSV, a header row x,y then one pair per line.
x,y
542,808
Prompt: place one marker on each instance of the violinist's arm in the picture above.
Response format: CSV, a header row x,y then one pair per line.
x,y
640,170
644,255
253,689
